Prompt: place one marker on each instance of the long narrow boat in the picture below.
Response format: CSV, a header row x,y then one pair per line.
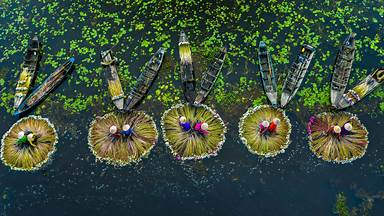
x,y
109,63
296,74
28,72
342,69
49,84
186,68
145,80
210,76
365,87
267,73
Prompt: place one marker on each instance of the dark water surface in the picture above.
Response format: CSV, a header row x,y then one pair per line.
x,y
233,183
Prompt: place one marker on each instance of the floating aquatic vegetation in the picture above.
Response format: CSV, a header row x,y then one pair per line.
x,y
191,144
118,149
337,137
20,153
260,141
282,25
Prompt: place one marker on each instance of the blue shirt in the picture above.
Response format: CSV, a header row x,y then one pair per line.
x,y
186,126
127,132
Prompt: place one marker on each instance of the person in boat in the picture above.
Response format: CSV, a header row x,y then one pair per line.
x,y
127,130
273,125
201,127
263,126
114,132
186,125
26,137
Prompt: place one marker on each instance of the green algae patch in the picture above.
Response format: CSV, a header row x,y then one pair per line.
x,y
341,207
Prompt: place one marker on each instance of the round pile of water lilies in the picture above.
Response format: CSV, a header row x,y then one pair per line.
x,y
122,138
265,130
337,137
193,131
29,144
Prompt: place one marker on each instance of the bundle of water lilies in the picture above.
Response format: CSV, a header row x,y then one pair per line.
x,y
193,130
337,137
122,138
265,130
29,144
127,136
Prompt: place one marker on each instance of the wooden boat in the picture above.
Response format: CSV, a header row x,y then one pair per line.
x,y
28,72
49,84
364,88
109,63
267,73
145,80
210,76
342,69
186,68
296,74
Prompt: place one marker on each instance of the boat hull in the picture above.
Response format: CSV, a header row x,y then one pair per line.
x,y
210,76
267,74
109,63
145,80
49,84
296,74
342,69
364,88
186,68
28,72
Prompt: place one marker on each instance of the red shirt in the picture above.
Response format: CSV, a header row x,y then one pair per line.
x,y
272,127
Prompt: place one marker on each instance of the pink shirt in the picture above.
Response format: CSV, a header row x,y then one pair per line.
x,y
198,128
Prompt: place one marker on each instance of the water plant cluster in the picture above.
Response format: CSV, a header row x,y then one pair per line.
x,y
84,28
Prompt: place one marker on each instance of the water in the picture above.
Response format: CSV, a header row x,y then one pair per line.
x,y
233,183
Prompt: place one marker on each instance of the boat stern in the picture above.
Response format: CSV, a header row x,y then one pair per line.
x,y
17,112
119,103
272,97
343,103
284,99
199,98
17,101
335,97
